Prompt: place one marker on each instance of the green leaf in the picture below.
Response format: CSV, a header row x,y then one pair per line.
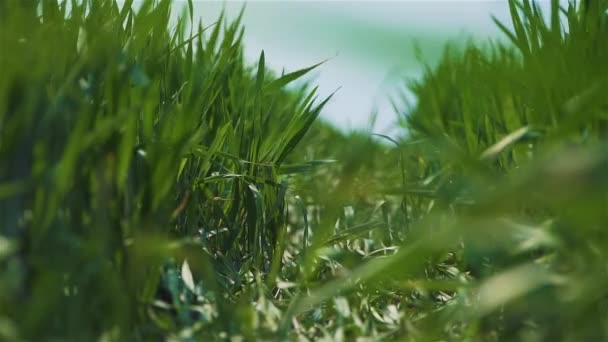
x,y
288,78
261,71
298,133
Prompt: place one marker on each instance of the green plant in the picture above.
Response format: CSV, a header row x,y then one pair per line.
x,y
152,185
126,145
503,189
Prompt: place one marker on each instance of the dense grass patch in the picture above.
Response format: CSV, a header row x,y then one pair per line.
x,y
153,185
127,147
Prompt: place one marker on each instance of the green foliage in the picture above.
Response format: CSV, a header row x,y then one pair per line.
x,y
519,139
491,209
503,200
125,145
152,185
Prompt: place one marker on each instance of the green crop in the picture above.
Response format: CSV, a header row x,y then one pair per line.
x,y
153,185
126,145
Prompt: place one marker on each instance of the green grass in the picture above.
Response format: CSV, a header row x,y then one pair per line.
x,y
153,185
123,144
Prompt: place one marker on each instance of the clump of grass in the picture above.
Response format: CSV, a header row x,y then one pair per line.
x,y
519,140
498,190
125,145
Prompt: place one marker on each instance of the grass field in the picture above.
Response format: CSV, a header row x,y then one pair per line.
x,y
155,186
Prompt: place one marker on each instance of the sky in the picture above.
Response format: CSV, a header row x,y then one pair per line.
x,y
369,45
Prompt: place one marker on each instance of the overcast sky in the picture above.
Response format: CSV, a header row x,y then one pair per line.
x,y
370,44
